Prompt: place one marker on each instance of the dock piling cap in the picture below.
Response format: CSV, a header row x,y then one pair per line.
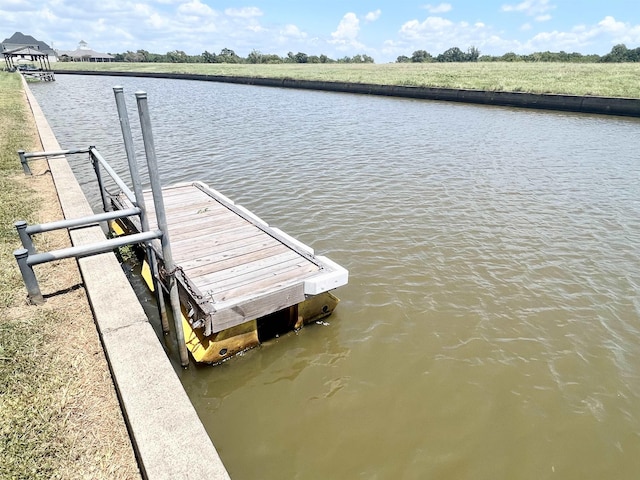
x,y
141,94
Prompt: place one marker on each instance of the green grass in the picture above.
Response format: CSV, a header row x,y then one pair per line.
x,y
16,202
28,382
32,379
59,417
600,79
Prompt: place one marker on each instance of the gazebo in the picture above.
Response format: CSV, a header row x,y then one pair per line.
x,y
12,56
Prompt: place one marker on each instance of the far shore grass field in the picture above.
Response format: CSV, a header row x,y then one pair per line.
x,y
597,79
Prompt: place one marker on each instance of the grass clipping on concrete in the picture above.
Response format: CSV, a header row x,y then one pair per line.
x,y
59,415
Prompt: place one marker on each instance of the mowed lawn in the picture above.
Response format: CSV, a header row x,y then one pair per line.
x,y
598,79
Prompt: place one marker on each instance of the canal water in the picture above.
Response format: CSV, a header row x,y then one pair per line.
x,y
490,328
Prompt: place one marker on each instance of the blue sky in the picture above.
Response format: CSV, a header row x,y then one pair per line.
x,y
383,29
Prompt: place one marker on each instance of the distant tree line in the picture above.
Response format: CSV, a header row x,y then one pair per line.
x,y
227,55
619,53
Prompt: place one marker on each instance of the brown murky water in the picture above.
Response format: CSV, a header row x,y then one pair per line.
x,y
491,325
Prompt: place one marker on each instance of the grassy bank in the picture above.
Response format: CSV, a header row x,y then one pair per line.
x,y
600,79
59,417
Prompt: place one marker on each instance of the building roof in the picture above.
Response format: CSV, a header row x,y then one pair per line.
x,y
19,40
24,51
83,53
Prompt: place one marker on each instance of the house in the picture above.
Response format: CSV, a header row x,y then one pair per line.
x,y
21,42
83,54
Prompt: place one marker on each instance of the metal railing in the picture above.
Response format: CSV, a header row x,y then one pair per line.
x,y
27,257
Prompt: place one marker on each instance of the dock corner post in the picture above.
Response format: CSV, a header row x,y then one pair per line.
x,y
156,190
29,277
25,238
24,162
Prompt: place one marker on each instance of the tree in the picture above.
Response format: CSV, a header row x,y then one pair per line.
x,y
177,56
143,55
228,56
619,53
473,54
509,57
208,57
421,56
255,57
453,54
403,59
301,57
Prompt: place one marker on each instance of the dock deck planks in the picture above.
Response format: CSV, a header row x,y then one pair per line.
x,y
236,267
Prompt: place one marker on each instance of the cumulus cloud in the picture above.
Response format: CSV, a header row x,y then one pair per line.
x,y
246,12
195,8
346,34
440,8
292,31
539,9
373,16
608,31
436,34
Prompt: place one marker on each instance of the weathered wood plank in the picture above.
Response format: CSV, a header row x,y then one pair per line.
x,y
261,285
247,272
224,251
249,308
203,229
250,256
194,244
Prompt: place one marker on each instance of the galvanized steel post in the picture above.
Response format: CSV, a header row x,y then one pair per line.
x,y
156,190
24,162
25,238
137,191
29,277
103,194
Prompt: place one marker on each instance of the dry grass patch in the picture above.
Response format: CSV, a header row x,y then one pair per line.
x,y
59,415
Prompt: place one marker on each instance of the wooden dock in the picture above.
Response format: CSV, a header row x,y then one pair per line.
x,y
41,76
233,267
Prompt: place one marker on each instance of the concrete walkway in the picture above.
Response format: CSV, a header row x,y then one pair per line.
x,y
168,437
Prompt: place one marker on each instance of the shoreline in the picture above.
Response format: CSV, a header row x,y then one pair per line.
x,y
628,107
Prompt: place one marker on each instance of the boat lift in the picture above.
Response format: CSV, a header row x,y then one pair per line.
x,y
27,257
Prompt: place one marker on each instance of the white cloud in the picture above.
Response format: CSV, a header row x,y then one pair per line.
x,y
346,34
292,31
532,8
437,34
440,8
246,12
195,8
373,16
608,32
432,27
611,25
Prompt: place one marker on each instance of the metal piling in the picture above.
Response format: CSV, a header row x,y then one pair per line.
x,y
156,190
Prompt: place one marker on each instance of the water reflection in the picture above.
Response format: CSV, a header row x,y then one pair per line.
x,y
490,326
